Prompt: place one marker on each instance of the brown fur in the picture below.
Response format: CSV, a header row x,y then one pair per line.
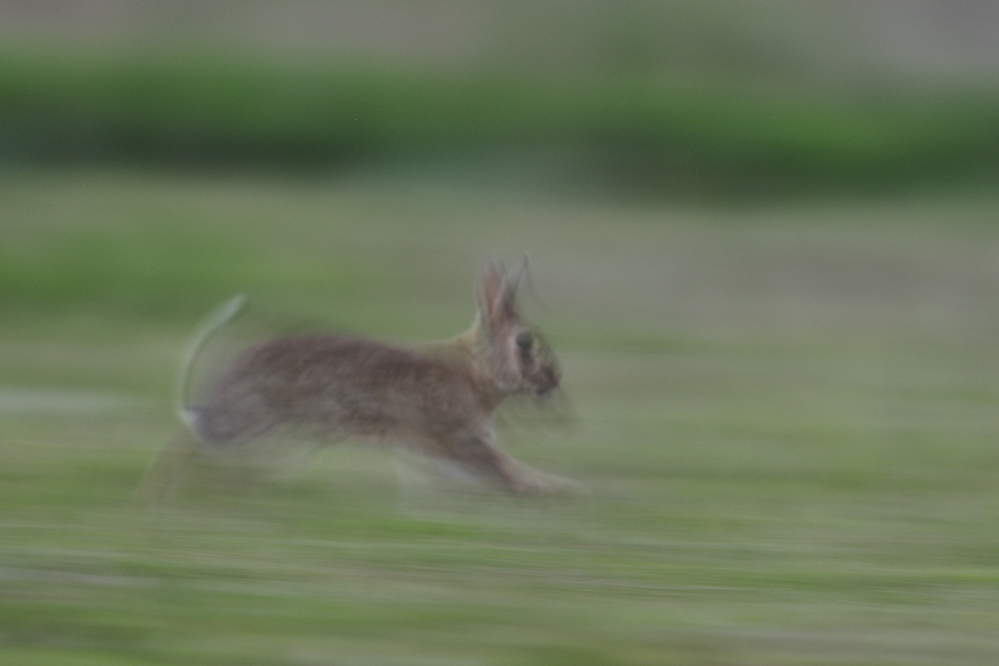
x,y
438,400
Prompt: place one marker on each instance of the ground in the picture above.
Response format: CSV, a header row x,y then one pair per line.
x,y
785,414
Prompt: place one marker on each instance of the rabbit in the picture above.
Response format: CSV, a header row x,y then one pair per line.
x,y
438,400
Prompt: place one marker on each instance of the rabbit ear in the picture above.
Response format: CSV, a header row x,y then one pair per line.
x,y
519,276
495,294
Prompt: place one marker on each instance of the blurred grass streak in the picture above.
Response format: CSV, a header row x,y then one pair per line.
x,y
645,133
786,415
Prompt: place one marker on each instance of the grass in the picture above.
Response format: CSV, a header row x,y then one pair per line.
x,y
786,417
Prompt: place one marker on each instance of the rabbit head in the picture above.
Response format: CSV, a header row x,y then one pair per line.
x,y
517,357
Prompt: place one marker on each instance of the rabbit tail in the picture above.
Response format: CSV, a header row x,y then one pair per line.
x,y
163,475
215,320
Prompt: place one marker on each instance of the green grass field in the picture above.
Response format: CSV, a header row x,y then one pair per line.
x,y
787,418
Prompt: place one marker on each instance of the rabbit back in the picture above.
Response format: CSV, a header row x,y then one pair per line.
x,y
343,386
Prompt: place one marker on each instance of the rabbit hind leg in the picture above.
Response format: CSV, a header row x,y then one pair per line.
x,y
163,476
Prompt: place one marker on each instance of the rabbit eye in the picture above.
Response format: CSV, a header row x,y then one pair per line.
x,y
524,341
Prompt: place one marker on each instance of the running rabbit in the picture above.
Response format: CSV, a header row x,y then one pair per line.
x,y
438,400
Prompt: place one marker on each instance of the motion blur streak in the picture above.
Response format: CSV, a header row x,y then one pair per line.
x,y
764,246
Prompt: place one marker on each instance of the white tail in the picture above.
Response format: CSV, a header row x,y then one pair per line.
x,y
163,474
215,320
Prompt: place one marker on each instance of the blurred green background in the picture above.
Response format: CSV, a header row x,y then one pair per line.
x,y
763,242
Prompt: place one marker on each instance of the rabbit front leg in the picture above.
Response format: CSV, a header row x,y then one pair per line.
x,y
479,456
